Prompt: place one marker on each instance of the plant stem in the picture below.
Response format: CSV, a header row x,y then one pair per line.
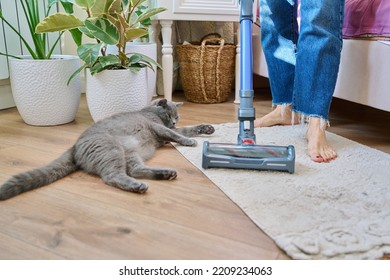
x,y
10,55
31,51
31,13
54,45
131,10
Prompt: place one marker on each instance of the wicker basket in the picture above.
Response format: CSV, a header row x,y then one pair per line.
x,y
207,70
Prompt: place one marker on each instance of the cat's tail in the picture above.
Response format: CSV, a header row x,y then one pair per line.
x,y
27,181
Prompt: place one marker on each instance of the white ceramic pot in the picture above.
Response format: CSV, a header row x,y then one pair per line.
x,y
149,49
40,89
115,91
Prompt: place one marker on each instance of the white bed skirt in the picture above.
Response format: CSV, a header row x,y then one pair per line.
x,y
364,75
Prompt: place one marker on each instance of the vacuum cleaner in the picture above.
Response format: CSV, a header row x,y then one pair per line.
x,y
246,154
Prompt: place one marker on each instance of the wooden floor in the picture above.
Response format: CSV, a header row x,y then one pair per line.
x,y
79,217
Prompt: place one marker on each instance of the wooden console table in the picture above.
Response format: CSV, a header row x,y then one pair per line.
x,y
192,10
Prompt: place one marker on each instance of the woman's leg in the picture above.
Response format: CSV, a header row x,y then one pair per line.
x,y
318,56
315,68
317,65
278,21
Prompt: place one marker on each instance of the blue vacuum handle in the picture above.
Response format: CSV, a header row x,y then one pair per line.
x,y
246,112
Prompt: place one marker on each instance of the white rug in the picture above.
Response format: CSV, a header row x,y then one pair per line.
x,y
336,210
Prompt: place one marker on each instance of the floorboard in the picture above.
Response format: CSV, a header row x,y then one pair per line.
x,y
79,217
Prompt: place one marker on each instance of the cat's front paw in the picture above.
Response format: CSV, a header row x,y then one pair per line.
x,y
139,187
206,129
190,142
166,174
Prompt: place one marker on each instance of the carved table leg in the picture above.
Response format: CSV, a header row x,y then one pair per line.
x,y
167,57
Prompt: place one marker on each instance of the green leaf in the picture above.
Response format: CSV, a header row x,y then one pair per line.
x,y
136,3
115,7
151,61
103,63
58,22
135,69
77,36
52,2
100,7
85,4
135,58
143,60
122,21
89,53
76,73
134,33
109,60
96,68
125,3
103,30
68,7
86,31
66,4
148,14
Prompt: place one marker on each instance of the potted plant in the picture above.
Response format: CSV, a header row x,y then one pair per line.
x,y
39,80
144,46
114,82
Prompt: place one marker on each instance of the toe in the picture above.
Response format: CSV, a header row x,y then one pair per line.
x,y
317,158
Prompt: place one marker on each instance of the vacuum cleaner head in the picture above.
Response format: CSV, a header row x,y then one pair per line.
x,y
247,155
256,157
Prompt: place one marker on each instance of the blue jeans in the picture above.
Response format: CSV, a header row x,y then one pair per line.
x,y
302,64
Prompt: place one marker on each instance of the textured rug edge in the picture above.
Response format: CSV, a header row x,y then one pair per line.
x,y
297,251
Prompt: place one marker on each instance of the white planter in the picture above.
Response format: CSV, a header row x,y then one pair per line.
x,y
149,49
115,91
40,89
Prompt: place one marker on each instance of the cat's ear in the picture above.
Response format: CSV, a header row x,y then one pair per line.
x,y
178,104
162,102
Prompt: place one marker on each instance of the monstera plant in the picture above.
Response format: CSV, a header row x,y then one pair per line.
x,y
114,82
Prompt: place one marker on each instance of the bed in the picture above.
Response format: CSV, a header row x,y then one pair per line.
x,y
364,75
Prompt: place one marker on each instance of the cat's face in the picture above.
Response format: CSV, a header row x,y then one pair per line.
x,y
167,111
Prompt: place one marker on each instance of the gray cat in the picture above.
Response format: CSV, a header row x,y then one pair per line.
x,y
115,149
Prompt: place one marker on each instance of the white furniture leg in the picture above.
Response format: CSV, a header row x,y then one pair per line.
x,y
167,57
152,32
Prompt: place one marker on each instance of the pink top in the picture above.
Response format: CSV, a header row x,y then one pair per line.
x,y
363,18
366,18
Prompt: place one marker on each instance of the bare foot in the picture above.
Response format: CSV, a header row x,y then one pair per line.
x,y
317,146
281,115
